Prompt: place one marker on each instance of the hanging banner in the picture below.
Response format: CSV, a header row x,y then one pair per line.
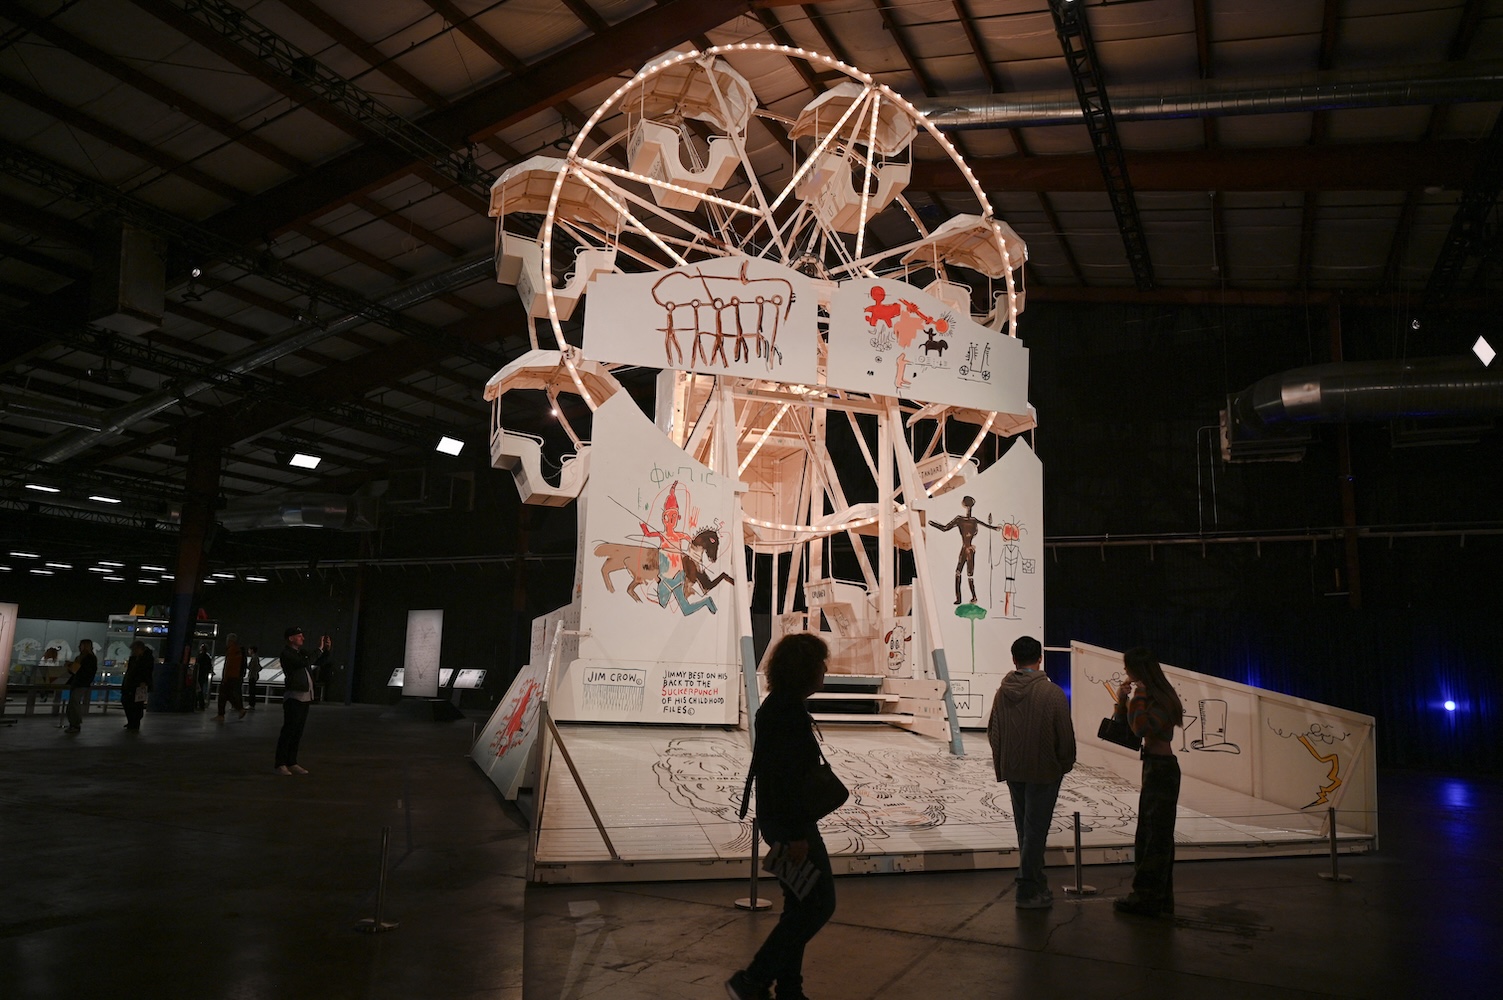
x,y
888,338
726,316
425,636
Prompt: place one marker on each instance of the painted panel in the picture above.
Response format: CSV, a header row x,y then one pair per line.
x,y
507,742
1316,758
988,556
1289,751
657,590
8,614
888,338
728,316
425,638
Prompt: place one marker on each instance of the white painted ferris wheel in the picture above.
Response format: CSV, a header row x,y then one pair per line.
x,y
765,254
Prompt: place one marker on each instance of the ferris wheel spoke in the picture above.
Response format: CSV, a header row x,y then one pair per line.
x,y
819,149
866,182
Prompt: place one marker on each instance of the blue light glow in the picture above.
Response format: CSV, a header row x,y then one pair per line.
x,y
1450,706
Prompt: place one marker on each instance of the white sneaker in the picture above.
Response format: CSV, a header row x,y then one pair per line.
x,y
282,769
299,769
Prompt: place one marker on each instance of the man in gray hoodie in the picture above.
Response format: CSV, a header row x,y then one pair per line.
x,y
1033,746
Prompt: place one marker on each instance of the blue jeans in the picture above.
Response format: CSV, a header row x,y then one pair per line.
x,y
1032,809
781,958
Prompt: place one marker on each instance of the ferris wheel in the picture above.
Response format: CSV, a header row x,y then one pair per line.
x,y
837,350
697,168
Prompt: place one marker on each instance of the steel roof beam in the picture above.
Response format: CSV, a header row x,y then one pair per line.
x,y
624,48
1348,167
1074,32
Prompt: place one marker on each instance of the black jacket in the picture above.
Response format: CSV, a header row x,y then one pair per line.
x,y
297,667
138,670
786,751
88,664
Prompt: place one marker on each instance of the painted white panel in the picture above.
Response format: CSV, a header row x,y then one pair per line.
x,y
8,613
657,592
995,595
1288,751
506,744
726,316
889,338
425,637
1315,757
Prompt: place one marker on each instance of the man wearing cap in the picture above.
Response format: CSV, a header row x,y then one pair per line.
x,y
297,670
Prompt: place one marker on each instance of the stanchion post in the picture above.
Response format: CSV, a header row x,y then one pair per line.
x,y
753,902
375,925
1333,875
1079,888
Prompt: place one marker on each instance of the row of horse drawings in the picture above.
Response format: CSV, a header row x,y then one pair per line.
x,y
893,792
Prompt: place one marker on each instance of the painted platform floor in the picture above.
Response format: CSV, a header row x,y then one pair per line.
x,y
668,798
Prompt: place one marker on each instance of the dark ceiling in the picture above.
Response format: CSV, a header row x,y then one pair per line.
x,y
313,178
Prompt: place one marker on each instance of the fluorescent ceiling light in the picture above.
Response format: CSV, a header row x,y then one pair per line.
x,y
144,568
145,581
450,446
168,576
116,579
1484,351
42,489
103,499
105,562
4,569
257,579
59,565
25,555
219,576
42,572
302,461
97,569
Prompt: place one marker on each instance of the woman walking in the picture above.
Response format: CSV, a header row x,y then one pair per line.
x,y
1151,707
786,751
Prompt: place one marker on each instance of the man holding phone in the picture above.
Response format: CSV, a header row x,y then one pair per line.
x,y
297,695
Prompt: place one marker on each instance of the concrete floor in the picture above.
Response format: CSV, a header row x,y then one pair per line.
x,y
173,863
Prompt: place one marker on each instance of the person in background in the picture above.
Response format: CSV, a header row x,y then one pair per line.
x,y
786,751
252,673
82,670
135,685
1152,708
203,666
1033,748
229,683
297,695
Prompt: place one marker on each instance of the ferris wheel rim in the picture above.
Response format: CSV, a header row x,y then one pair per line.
x,y
575,159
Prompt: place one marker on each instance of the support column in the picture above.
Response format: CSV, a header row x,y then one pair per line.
x,y
202,439
1346,481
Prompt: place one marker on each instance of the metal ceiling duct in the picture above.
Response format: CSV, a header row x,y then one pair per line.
x,y
1349,392
69,445
306,510
25,409
1443,83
